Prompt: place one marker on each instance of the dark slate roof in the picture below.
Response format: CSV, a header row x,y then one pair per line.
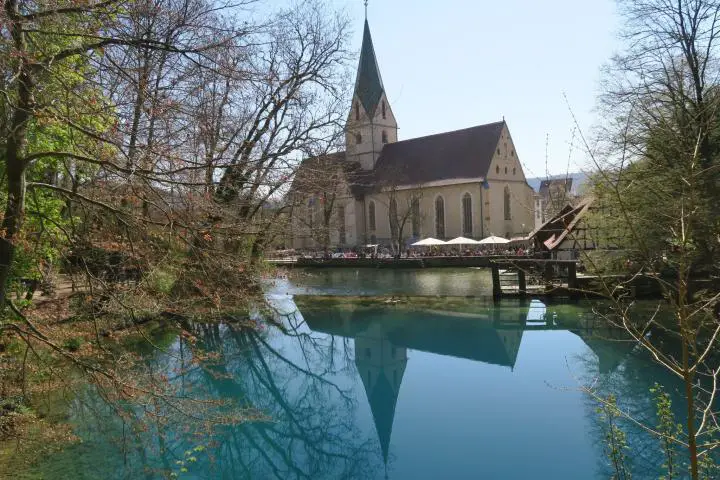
x,y
463,153
368,85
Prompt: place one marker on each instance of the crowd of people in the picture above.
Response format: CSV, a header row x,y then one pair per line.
x,y
413,252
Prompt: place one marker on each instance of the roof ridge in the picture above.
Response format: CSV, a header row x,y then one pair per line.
x,y
445,133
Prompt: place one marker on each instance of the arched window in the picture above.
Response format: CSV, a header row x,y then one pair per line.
x,y
341,224
467,215
357,111
358,138
439,217
508,213
505,170
514,170
371,216
415,212
497,169
384,137
384,111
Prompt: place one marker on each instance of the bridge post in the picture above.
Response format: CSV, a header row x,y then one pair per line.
x,y
572,280
522,285
497,290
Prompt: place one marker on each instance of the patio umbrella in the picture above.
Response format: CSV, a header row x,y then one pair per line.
x,y
428,242
462,241
493,240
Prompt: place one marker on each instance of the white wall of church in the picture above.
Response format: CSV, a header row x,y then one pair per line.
x,y
493,211
506,172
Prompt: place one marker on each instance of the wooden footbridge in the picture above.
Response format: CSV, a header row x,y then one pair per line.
x,y
534,277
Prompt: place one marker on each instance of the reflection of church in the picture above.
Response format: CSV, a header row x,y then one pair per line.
x,y
489,335
382,337
381,365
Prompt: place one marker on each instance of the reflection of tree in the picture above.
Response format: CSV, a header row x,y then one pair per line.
x,y
292,383
310,432
631,379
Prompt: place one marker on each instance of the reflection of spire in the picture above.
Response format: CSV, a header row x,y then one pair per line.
x,y
381,366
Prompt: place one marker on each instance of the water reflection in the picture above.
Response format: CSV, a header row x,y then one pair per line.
x,y
448,388
371,281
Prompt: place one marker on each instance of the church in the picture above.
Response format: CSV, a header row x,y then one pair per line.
x,y
392,192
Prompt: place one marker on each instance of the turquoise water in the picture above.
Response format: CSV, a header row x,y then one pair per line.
x,y
371,281
426,389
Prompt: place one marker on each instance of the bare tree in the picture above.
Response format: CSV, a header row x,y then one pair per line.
x,y
656,195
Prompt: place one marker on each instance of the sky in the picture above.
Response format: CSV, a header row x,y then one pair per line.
x,y
454,64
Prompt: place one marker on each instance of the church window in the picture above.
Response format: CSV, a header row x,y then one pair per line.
x,y
357,111
341,225
384,110
498,151
514,170
508,213
497,169
439,217
505,170
358,138
512,153
371,216
384,137
415,212
467,215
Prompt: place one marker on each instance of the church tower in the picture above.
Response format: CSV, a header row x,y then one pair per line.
x,y
371,123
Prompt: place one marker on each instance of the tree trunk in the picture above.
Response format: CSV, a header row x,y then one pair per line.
x,y
14,162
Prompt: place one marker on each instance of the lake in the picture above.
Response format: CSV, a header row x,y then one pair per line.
x,y
422,383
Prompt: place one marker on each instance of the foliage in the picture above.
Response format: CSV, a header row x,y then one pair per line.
x,y
670,432
615,441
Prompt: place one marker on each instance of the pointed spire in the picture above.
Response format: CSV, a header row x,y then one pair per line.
x,y
368,85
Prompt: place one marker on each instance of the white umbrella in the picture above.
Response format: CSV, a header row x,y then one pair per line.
x,y
428,242
462,241
493,240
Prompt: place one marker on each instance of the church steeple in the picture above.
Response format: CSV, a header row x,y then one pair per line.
x,y
368,84
371,123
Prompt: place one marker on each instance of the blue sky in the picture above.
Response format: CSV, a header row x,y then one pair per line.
x,y
453,64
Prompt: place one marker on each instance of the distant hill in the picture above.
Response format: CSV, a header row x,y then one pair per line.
x,y
579,180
